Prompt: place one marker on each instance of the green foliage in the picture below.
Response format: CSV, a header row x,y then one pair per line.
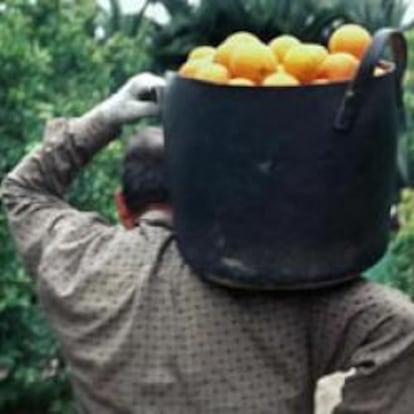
x,y
214,20
400,264
24,65
407,140
52,65
114,21
406,213
373,14
310,20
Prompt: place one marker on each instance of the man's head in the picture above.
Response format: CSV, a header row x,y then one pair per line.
x,y
143,177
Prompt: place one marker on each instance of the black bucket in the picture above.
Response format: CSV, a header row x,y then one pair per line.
x,y
285,187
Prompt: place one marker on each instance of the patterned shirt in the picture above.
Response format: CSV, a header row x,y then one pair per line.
x,y
142,333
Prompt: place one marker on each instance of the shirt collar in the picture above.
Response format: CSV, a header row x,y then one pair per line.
x,y
156,217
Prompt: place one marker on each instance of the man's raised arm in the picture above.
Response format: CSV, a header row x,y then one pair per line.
x,y
33,192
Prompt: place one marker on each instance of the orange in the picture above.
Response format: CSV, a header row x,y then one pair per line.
x,y
350,38
212,72
320,82
225,49
321,52
280,79
201,52
303,61
238,37
339,67
241,82
252,60
189,68
281,44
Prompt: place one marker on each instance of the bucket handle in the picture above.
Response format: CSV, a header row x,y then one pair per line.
x,y
354,95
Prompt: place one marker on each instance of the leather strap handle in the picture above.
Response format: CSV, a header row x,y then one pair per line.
x,y
354,96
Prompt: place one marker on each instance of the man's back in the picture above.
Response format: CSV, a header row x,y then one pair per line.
x,y
143,334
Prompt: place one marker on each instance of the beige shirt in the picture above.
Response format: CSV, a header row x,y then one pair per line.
x,y
140,331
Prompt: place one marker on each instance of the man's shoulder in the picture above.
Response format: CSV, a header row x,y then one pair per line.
x,y
145,243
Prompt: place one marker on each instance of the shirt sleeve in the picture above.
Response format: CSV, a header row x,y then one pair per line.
x,y
33,193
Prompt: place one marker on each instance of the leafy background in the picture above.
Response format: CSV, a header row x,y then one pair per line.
x,y
59,58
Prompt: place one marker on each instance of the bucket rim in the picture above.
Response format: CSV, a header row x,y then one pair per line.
x,y
174,76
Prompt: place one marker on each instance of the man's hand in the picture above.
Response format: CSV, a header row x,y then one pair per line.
x,y
129,104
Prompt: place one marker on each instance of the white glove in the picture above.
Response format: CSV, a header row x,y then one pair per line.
x,y
129,104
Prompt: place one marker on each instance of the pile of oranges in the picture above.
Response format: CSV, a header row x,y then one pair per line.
x,y
244,60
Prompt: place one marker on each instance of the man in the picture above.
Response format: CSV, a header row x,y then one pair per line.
x,y
143,334
144,187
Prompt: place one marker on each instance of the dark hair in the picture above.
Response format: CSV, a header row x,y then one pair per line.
x,y
143,176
